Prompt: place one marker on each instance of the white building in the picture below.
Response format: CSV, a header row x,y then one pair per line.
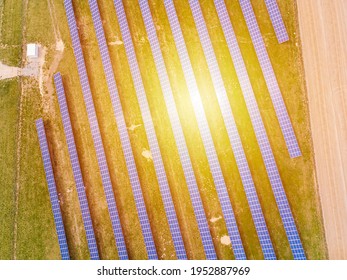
x,y
32,51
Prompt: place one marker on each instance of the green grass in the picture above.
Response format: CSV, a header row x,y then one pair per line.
x,y
11,32
38,23
37,238
9,94
36,231
36,234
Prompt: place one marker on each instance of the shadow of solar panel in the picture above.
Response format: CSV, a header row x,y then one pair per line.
x,y
58,220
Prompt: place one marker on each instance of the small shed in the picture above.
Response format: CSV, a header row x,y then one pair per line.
x,y
32,51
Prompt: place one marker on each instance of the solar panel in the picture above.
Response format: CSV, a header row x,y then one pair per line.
x,y
270,79
241,160
88,226
179,136
95,131
152,140
58,220
277,21
123,132
258,125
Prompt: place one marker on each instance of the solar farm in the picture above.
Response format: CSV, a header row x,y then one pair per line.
x,y
160,129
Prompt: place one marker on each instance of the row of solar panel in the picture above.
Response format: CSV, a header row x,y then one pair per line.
x,y
178,133
234,138
95,130
76,172
94,255
277,21
258,125
123,132
58,220
186,164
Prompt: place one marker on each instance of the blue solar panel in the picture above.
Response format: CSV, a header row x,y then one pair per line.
x,y
277,21
270,79
88,226
260,131
95,131
123,132
64,250
179,136
241,160
152,140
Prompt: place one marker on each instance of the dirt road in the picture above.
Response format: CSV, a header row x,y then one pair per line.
x,y
323,28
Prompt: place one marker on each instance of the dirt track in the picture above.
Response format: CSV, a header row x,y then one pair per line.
x,y
323,33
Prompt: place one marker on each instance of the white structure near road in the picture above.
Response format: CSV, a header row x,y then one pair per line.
x,y
32,68
32,51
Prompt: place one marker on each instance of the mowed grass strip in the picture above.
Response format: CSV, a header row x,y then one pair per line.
x,y
298,175
84,143
179,191
110,136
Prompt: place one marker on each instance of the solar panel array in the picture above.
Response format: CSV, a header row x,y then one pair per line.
x,y
58,220
203,125
244,170
152,140
123,132
270,79
213,161
95,131
260,131
277,21
88,226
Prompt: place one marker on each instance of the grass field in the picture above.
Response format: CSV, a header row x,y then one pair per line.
x,y
34,237
11,23
27,229
9,101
